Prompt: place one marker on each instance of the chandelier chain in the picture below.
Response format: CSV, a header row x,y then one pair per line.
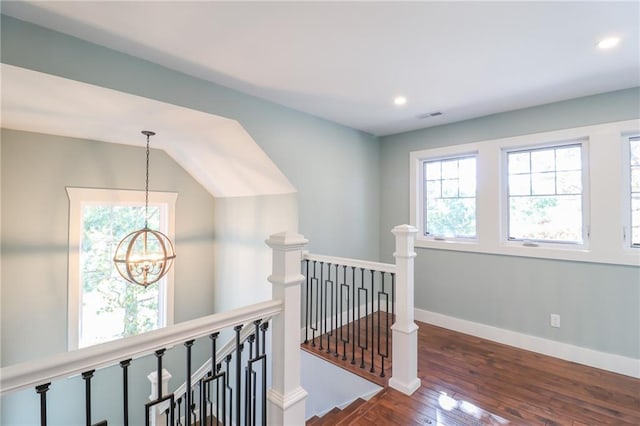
x,y
146,190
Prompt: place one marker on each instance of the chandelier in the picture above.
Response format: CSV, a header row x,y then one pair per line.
x,y
143,257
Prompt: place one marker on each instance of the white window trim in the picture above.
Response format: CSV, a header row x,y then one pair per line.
x,y
604,175
80,196
626,210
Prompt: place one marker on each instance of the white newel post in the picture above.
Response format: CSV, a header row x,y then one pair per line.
x,y
159,417
286,396
405,331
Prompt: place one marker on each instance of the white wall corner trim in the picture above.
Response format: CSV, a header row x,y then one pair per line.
x,y
605,361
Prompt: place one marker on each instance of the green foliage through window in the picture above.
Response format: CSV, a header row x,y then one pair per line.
x,y
450,197
545,194
111,307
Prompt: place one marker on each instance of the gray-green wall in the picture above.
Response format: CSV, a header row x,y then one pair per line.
x,y
36,169
599,304
333,168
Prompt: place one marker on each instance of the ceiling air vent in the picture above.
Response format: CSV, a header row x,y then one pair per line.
x,y
429,115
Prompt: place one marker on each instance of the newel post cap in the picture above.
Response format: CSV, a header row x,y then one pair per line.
x,y
286,241
404,230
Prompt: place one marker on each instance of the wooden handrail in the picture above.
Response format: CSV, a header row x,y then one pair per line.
x,y
24,375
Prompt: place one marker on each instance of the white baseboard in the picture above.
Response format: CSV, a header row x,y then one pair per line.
x,y
605,361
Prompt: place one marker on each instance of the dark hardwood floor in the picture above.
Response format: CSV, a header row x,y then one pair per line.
x,y
471,381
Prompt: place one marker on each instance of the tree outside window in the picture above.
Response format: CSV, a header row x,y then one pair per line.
x,y
545,194
450,197
111,307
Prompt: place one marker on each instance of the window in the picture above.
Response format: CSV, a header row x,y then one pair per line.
x,y
634,182
570,194
102,305
450,197
545,194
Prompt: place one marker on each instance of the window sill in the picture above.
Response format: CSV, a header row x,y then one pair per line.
x,y
628,257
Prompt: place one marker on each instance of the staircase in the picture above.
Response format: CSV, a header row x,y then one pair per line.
x,y
354,414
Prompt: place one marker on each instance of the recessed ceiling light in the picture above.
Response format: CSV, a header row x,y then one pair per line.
x,y
399,100
609,42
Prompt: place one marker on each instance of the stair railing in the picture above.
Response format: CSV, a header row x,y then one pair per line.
x,y
349,306
88,361
282,403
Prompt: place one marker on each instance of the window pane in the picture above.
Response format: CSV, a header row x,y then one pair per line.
x,y
449,187
553,218
450,169
518,162
433,170
432,188
634,145
546,204
452,217
542,160
543,183
569,182
568,158
449,199
635,219
111,307
520,184
635,179
467,175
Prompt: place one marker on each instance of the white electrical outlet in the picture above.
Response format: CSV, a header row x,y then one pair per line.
x,y
555,320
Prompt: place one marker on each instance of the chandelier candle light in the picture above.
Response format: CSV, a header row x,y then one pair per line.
x,y
146,255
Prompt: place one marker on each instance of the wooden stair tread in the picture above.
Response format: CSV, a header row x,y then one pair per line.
x,y
360,410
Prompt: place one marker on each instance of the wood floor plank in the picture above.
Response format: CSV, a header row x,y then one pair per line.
x,y
468,381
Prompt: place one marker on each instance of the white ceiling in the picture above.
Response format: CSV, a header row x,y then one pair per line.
x,y
216,151
345,61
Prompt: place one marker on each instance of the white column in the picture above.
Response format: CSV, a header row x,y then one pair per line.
x,y
286,396
405,332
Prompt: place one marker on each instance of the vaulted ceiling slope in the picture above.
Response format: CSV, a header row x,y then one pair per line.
x,y
216,151
346,61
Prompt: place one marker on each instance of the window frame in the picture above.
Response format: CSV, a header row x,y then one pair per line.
x,y
78,197
505,216
626,209
422,218
604,174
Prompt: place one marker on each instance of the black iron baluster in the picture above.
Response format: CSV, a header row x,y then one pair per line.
x,y
125,389
353,316
336,289
238,389
229,389
393,296
203,408
256,324
86,376
42,391
323,315
366,319
372,369
166,416
179,408
344,286
328,290
188,397
314,326
381,293
263,329
307,298
248,382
